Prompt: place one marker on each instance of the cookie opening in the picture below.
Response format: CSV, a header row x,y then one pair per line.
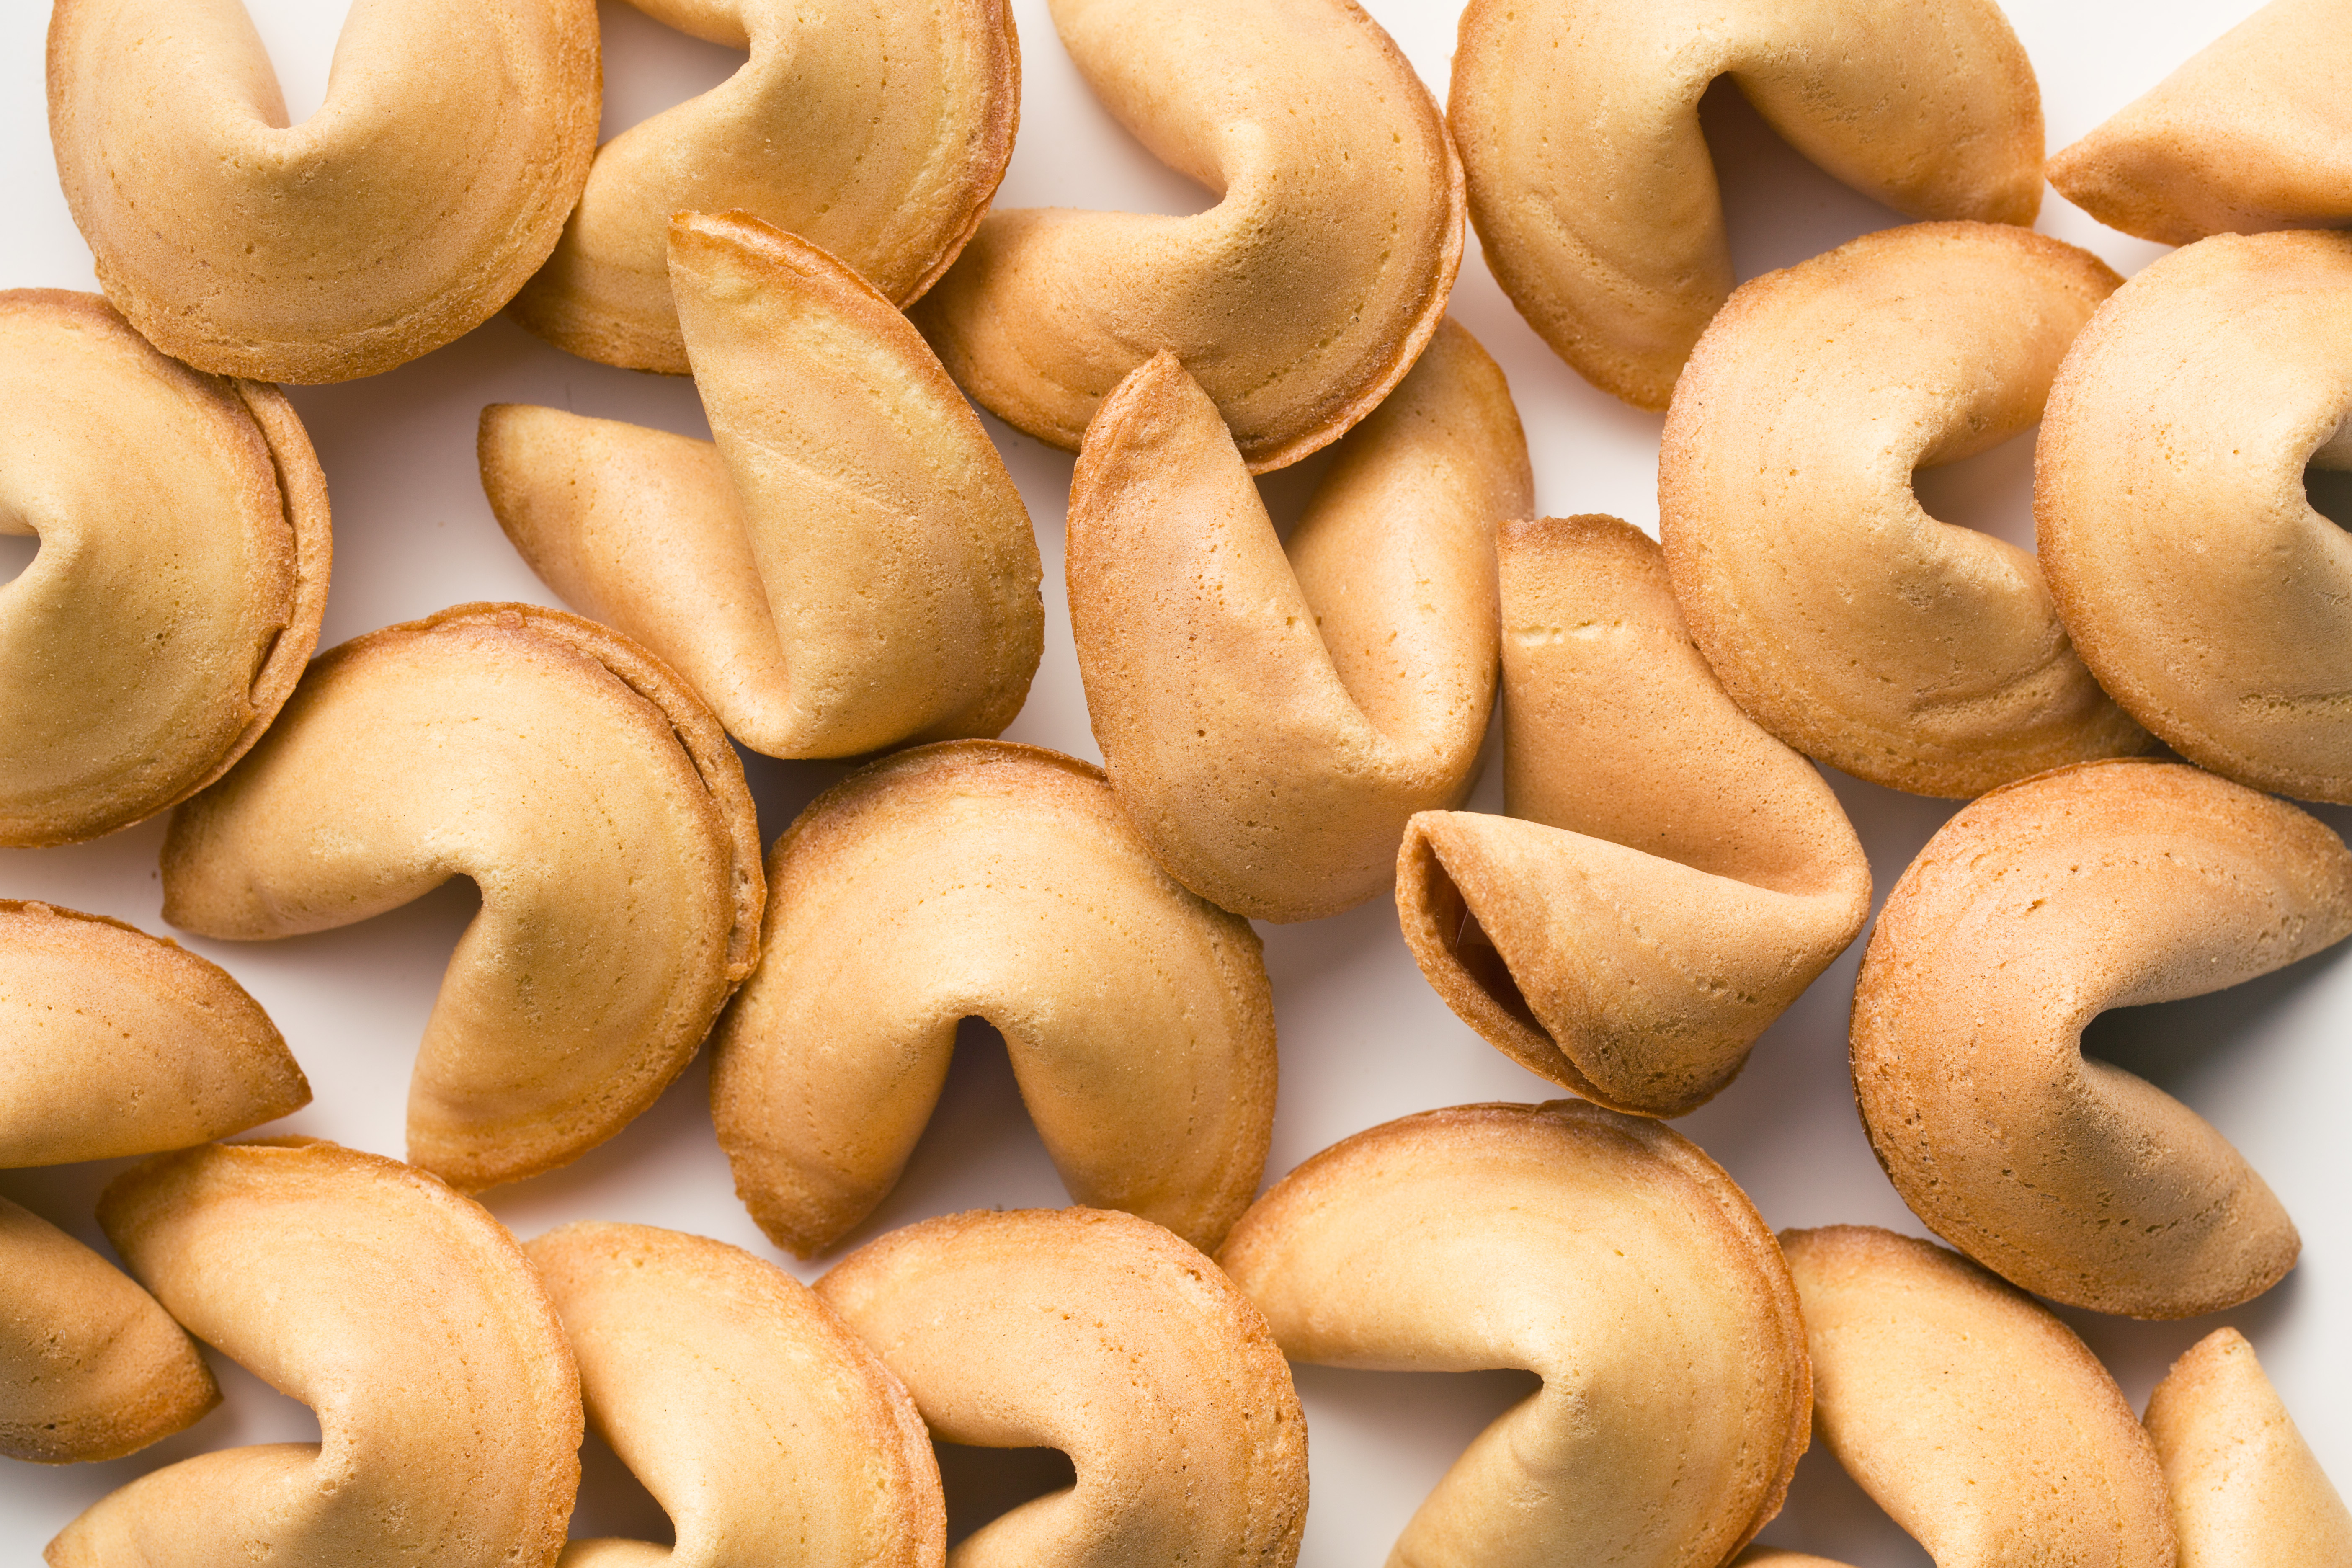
x,y
1991,491
1779,206
982,1485
300,42
2329,491
16,552
1468,944
613,1503
650,67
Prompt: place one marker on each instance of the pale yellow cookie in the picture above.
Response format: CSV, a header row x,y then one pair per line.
x,y
1592,188
2254,133
2246,1490
877,133
1298,301
402,1314
111,1043
1913,653
431,183
588,794
2034,909
848,568
1969,1413
1270,719
1107,1337
753,1414
2170,513
182,572
1668,878
975,878
1606,1254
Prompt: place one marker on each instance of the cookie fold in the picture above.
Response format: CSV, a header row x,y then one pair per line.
x,y
2034,909
753,1414
847,567
2253,134
1270,719
1592,188
587,793
1107,1337
1669,877
455,137
1913,653
975,878
401,1313
2170,512
183,569
1298,300
1591,1248
1969,1413
878,133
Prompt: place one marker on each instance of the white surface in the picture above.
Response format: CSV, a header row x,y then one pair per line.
x,y
1362,1037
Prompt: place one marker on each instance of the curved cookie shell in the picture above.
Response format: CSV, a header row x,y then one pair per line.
x,y
848,568
90,1367
1299,300
182,572
2253,134
1270,720
975,878
1976,1419
2031,912
1848,622
1670,877
1592,188
1593,1249
2198,584
753,1414
589,794
877,133
2246,1491
405,1315
1104,1336
111,1043
430,184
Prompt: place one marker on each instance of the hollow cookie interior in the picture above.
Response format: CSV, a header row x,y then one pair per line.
x,y
1670,877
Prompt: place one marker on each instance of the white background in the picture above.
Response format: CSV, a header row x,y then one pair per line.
x,y
1362,1037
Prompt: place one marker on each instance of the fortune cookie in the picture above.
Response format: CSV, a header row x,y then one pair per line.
x,y
1604,1253
1298,301
848,567
2034,909
1669,877
975,878
1104,1336
401,1313
1915,654
588,794
1592,186
875,133
111,1043
1974,1417
182,574
2253,134
753,1414
2197,583
2246,1490
1270,723
430,184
